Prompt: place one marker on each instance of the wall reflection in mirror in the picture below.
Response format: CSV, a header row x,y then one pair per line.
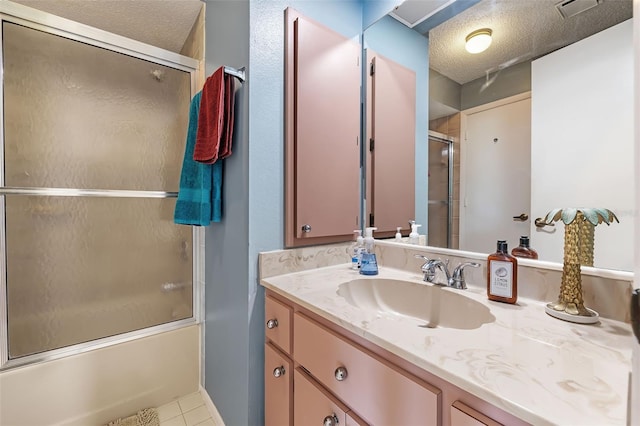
x,y
542,119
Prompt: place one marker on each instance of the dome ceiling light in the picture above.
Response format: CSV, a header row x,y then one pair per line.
x,y
478,41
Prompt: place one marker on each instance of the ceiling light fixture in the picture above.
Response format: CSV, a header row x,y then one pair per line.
x,y
478,41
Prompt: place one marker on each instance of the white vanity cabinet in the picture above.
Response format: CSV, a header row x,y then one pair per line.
x,y
334,377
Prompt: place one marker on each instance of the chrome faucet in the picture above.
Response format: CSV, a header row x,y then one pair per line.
x,y
455,280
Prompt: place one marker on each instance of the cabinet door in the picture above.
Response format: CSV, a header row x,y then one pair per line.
x,y
353,420
322,137
463,415
278,323
278,388
314,405
392,111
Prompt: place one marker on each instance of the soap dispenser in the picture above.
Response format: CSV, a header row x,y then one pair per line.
x,y
414,237
368,239
356,250
398,235
502,275
524,250
369,263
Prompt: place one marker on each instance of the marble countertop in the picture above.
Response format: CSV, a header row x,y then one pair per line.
x,y
540,369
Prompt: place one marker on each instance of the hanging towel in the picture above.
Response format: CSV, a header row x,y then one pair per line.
x,y
211,119
227,133
199,196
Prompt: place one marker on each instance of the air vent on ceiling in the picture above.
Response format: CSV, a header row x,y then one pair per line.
x,y
569,8
413,12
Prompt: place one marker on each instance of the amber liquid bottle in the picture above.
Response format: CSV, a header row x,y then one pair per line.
x,y
502,275
523,250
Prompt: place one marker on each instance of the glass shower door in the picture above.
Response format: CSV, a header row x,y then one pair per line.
x,y
440,191
92,149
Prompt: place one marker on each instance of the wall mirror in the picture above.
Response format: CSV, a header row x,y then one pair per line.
x,y
542,119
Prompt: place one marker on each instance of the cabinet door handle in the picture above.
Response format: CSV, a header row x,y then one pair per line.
x,y
341,374
272,323
331,420
306,228
279,371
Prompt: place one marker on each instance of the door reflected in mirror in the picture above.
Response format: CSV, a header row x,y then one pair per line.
x,y
542,119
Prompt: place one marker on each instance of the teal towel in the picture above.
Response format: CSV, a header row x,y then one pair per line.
x,y
200,194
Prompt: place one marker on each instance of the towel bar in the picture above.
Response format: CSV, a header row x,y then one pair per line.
x,y
239,73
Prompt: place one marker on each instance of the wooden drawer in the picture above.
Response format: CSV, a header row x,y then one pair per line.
x,y
380,392
277,390
278,323
463,415
312,404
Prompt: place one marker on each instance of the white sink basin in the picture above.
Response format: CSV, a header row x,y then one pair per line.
x,y
437,306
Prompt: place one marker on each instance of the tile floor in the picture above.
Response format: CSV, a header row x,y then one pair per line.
x,y
189,410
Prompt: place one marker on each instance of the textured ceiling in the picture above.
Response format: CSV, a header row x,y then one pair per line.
x,y
522,30
161,23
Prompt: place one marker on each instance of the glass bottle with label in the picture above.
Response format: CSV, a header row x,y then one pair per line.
x,y
523,250
502,275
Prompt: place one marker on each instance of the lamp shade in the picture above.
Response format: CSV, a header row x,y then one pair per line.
x,y
478,41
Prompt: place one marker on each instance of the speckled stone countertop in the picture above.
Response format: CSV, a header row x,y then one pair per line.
x,y
540,369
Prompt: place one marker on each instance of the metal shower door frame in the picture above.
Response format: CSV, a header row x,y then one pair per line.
x,y
45,22
442,138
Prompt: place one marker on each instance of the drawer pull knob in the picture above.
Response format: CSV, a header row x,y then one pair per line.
x,y
341,374
331,420
272,323
279,371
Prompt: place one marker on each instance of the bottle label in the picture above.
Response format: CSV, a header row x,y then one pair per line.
x,y
501,283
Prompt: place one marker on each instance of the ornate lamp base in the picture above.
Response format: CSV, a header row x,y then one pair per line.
x,y
593,318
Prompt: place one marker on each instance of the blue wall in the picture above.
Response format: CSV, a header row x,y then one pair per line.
x,y
242,33
393,40
372,10
230,363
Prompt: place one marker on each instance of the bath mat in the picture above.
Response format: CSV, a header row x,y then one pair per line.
x,y
146,417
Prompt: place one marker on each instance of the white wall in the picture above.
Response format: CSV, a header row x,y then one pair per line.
x,y
582,139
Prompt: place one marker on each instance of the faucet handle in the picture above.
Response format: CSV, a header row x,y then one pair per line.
x,y
457,278
427,267
425,258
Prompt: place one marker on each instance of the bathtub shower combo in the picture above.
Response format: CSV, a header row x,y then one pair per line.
x,y
93,134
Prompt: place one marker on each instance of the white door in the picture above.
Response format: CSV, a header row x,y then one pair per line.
x,y
496,169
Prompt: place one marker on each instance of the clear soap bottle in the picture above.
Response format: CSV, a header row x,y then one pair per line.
x,y
523,250
502,275
369,263
356,250
414,237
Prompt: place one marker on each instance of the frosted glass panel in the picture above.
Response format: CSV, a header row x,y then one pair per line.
x,y
80,269
114,121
